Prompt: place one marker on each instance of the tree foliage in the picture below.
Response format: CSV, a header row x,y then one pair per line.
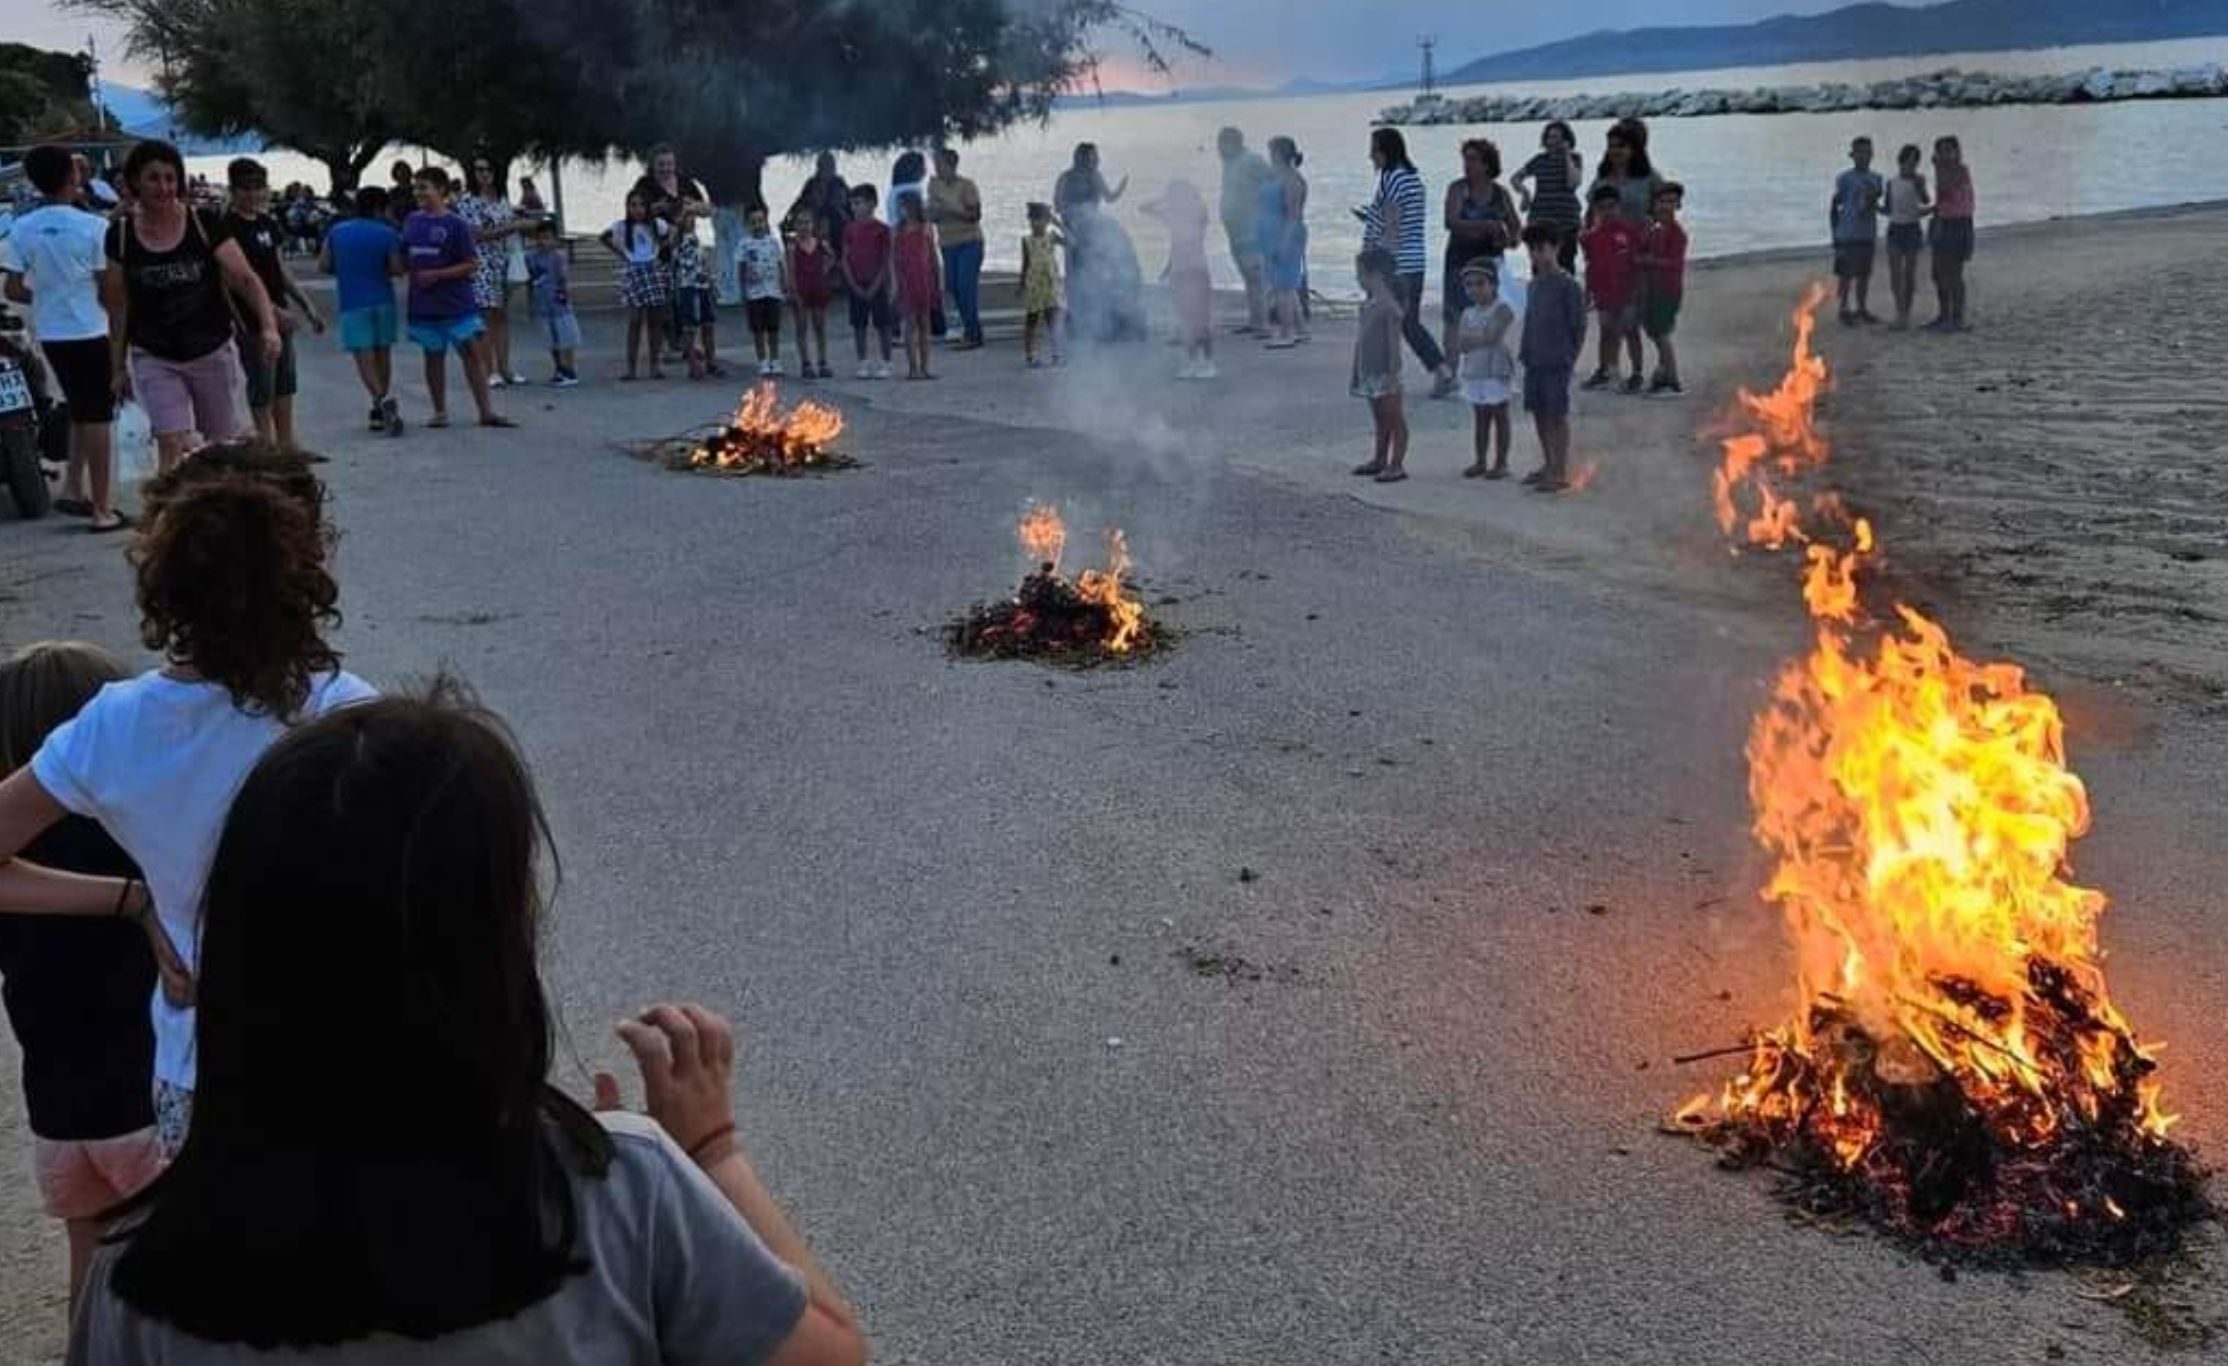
x,y
43,94
729,84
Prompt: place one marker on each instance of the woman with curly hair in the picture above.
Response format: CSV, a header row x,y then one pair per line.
x,y
235,595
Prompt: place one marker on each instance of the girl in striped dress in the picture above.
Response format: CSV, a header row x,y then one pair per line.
x,y
1547,188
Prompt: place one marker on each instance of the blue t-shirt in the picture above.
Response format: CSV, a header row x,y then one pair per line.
x,y
431,241
361,249
1857,195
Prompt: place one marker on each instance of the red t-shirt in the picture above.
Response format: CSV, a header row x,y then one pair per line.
x,y
1663,260
866,245
1612,262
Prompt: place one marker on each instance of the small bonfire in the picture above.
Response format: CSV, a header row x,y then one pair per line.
x,y
1090,619
760,438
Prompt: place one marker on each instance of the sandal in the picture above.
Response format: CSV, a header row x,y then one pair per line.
x,y
1497,472
438,420
498,420
121,523
1474,472
1534,477
1370,468
1391,475
1551,485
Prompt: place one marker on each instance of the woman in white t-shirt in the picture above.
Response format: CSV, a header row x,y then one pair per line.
x,y
380,1171
234,592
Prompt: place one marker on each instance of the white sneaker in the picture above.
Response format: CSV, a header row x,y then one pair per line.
x,y
496,381
1188,370
882,370
866,369
773,369
1206,370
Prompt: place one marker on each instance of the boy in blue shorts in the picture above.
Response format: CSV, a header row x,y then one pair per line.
x,y
363,254
1554,337
444,317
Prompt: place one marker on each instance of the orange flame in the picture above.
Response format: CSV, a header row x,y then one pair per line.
x,y
1043,535
1918,810
760,435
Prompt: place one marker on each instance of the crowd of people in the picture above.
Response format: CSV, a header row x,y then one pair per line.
x,y
336,1134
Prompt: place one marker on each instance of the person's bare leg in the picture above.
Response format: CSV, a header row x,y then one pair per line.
x,y
1252,272
73,470
1397,431
474,355
634,341
1556,430
499,331
383,365
367,372
1605,360
170,448
1380,434
437,383
1667,359
85,1239
265,427
94,455
1481,433
1633,352
1503,437
282,422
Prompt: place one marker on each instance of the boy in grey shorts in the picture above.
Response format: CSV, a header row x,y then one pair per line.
x,y
1554,336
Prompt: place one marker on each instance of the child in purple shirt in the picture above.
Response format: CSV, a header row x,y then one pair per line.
x,y
438,251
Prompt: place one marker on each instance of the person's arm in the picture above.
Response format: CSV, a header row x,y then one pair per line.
x,y
970,202
1521,182
1498,320
851,281
241,279
15,288
325,255
309,309
687,1054
610,244
1833,210
116,303
1577,326
1111,195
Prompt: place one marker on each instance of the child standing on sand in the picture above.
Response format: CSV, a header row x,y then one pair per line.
x,y
1908,209
1663,286
1952,234
1377,364
1853,216
1554,338
812,266
1612,247
1040,284
1488,368
1190,287
920,281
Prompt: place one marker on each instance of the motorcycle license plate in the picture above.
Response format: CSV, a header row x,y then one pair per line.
x,y
15,390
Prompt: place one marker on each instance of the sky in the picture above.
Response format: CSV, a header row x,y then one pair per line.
x,y
1256,42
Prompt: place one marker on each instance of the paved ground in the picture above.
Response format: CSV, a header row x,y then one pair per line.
x,y
1405,746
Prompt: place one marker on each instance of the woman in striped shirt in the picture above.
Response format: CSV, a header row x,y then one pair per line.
x,y
1396,220
1547,188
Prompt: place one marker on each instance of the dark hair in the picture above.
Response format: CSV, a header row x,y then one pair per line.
x,y
375,1145
1632,133
232,576
910,166
1948,140
950,154
867,192
42,686
245,172
1668,187
1909,151
371,201
404,167
1082,150
1290,153
1038,209
1603,193
1487,153
148,153
1389,144
499,173
1538,234
1558,126
911,202
48,168
436,176
1379,262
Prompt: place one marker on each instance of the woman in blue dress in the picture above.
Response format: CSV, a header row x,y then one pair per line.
x,y
1281,230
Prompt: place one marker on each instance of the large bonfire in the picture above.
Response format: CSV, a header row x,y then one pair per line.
x,y
1093,618
1957,1073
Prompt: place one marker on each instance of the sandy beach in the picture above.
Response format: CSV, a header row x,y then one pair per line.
x,y
1456,768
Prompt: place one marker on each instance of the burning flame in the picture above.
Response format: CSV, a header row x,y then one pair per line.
x,y
760,436
1044,538
1043,535
1918,811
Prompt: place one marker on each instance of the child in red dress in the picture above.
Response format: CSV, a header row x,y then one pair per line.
x,y
920,281
811,290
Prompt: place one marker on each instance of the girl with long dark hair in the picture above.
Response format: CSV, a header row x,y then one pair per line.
x,y
379,1166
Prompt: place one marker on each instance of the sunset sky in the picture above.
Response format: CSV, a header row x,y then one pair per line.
x,y
1256,41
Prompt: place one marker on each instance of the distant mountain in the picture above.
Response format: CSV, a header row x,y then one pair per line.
x,y
1864,30
143,114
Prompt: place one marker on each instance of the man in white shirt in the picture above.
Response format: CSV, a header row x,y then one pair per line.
x,y
53,260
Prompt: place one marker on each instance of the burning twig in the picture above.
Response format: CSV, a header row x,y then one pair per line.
x,y
1091,619
1959,1077
761,439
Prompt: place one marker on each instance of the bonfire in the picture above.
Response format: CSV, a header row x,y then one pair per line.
x,y
1090,619
760,438
1957,1074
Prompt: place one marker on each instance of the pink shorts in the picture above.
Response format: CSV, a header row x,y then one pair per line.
x,y
197,395
78,1178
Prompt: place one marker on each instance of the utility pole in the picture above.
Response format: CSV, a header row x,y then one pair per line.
x,y
1430,75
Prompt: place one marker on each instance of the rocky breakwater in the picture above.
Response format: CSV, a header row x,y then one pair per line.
x,y
1949,89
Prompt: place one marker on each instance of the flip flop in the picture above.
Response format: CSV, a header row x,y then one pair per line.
x,y
1474,472
1495,473
497,421
1551,486
438,420
122,523
1391,476
1370,468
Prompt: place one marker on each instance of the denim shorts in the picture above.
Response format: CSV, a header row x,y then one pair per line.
x,y
1547,390
438,335
369,329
